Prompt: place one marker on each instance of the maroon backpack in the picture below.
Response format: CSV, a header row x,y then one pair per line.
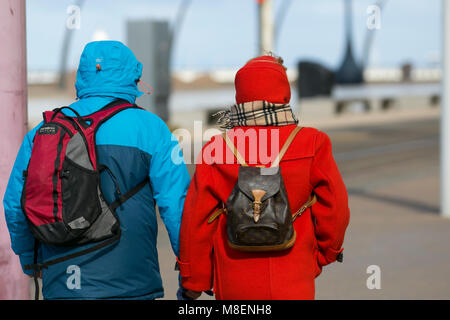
x,y
62,198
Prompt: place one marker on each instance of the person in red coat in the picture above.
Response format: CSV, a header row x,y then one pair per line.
x,y
263,119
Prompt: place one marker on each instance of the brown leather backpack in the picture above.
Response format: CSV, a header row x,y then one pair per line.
x,y
259,217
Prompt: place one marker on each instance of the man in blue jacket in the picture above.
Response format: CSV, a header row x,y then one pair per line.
x,y
133,144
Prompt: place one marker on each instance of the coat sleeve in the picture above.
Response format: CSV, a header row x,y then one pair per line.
x,y
196,235
22,240
331,212
169,179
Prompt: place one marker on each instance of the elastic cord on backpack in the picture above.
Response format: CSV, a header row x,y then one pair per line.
x,y
77,115
113,177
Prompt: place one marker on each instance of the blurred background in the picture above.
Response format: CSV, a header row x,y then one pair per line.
x,y
191,49
368,73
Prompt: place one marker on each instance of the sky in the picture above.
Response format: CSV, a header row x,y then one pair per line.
x,y
222,34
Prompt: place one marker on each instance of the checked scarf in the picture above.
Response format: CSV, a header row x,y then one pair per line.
x,y
256,113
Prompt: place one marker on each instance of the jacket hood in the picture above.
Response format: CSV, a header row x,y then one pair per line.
x,y
108,68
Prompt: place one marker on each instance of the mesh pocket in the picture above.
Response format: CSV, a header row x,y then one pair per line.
x,y
80,202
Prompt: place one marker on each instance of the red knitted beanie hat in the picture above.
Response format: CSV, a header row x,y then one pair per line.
x,y
262,78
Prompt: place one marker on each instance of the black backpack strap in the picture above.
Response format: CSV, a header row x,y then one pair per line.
x,y
36,269
46,264
124,197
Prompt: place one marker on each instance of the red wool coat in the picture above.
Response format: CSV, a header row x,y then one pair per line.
x,y
206,261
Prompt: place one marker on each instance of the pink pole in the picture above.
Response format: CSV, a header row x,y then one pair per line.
x,y
13,126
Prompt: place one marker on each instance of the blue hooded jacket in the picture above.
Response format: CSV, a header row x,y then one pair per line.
x,y
134,144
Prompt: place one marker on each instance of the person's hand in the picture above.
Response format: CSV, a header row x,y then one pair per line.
x,y
184,294
193,294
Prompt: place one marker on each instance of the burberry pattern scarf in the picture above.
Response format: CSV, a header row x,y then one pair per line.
x,y
256,113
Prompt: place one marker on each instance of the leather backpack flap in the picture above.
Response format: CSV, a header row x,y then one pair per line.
x,y
258,185
252,179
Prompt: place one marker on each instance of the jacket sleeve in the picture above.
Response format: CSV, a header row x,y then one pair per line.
x,y
331,212
196,235
169,179
22,240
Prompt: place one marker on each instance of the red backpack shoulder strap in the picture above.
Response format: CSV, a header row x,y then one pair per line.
x,y
47,115
107,112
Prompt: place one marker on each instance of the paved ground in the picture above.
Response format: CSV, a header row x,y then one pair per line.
x,y
391,169
392,175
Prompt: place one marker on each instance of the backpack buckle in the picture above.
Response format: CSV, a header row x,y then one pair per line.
x,y
258,194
